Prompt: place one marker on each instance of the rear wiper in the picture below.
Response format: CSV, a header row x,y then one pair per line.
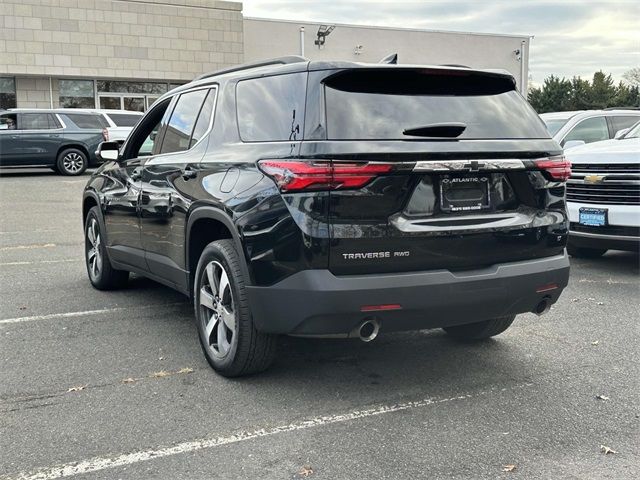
x,y
449,130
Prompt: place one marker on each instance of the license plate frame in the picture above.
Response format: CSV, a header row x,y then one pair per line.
x,y
593,217
474,187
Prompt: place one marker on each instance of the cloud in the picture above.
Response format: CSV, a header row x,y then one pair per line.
x,y
571,37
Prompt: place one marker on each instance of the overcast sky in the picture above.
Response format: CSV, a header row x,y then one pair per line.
x,y
572,37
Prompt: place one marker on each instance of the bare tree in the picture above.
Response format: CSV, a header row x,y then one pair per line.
x,y
632,77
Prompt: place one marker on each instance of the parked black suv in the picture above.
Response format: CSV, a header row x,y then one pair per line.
x,y
335,200
62,139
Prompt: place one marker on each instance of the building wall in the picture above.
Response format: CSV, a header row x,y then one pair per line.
x,y
269,38
35,92
137,39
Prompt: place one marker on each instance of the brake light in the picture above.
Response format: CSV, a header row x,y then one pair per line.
x,y
558,168
105,134
292,176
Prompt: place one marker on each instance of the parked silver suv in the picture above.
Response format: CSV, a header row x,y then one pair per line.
x,y
571,129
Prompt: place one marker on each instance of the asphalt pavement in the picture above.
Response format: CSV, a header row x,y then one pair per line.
x,y
103,385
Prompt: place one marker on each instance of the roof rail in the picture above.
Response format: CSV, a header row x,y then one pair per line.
x,y
622,108
248,66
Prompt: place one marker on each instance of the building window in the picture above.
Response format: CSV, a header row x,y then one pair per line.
x,y
118,86
7,92
77,94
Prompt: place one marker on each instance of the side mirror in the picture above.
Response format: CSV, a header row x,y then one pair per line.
x,y
574,143
108,151
620,133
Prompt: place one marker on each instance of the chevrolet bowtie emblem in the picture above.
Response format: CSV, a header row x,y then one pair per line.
x,y
594,178
473,166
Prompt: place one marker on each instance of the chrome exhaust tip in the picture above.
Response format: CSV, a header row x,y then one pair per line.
x,y
368,330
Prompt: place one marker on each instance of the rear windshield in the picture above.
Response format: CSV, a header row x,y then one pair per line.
x,y
369,104
124,119
86,120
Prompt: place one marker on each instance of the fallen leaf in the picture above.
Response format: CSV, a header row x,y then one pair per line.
x,y
595,342
129,380
161,358
508,468
606,450
575,300
600,303
602,397
77,389
305,471
185,370
160,374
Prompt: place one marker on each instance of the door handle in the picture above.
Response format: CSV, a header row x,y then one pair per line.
x,y
188,173
55,135
15,136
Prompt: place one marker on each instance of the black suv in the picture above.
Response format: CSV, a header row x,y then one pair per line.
x,y
335,199
62,139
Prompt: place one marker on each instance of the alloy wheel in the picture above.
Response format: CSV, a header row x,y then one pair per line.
x,y
73,162
217,312
94,255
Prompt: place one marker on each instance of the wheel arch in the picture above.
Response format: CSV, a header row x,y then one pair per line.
x,y
205,225
77,146
89,200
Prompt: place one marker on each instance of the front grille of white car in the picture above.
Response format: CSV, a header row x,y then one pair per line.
x,y
609,184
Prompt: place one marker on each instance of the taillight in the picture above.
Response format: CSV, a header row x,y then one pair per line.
x,y
294,175
105,134
558,168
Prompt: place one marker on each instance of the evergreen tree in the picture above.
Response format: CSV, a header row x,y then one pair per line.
x,y
557,95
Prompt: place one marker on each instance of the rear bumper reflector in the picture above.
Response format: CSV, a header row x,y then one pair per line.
x,y
380,308
547,288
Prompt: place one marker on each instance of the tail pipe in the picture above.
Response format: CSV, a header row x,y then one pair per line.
x,y
368,330
543,306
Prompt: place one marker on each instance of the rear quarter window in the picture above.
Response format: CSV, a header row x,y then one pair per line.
x,y
381,104
271,109
124,119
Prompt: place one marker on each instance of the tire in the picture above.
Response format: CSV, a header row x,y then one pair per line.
x,y
228,337
583,252
72,161
101,274
480,330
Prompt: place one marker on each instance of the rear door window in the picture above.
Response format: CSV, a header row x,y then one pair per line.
x,y
87,121
368,104
124,119
204,119
177,137
271,108
592,129
34,121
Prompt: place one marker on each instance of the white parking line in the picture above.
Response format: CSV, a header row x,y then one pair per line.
x,y
68,260
102,463
28,247
83,313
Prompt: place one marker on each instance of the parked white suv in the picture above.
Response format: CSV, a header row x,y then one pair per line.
x,y
571,129
121,122
603,196
117,124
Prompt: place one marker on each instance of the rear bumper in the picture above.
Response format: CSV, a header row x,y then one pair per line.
x,y
318,303
608,242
